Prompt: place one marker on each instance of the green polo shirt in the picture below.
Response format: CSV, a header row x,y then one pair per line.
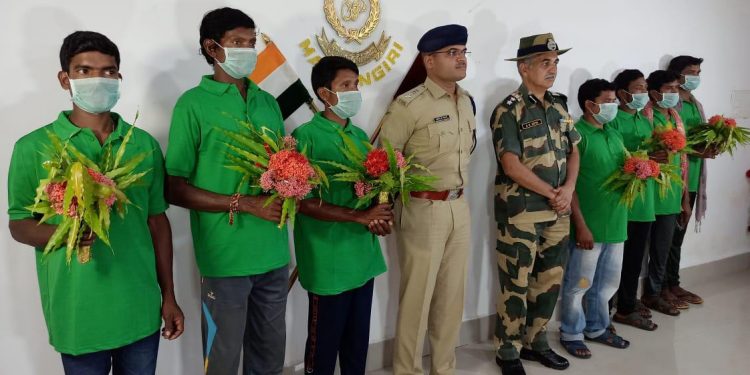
x,y
197,152
691,117
602,152
635,129
333,257
672,203
114,300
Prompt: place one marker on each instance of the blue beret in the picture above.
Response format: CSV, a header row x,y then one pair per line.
x,y
442,36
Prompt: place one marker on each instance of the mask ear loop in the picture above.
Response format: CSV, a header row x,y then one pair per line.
x,y
332,92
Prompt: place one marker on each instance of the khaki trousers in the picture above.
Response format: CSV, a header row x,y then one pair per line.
x,y
433,246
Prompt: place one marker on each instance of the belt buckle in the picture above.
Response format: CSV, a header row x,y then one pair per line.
x,y
453,194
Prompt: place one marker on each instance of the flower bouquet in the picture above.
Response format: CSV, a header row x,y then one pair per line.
x,y
271,162
83,193
667,138
630,180
720,134
381,172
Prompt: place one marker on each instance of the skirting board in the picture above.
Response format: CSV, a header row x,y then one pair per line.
x,y
481,329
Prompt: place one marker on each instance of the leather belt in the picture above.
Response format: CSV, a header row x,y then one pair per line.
x,y
445,195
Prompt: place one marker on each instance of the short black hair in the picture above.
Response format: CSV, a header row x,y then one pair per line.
x,y
679,63
591,89
217,22
86,41
659,78
325,70
626,77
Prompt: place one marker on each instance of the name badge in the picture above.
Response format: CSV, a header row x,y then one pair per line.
x,y
443,118
566,121
531,124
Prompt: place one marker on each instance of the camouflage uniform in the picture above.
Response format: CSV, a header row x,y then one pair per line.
x,y
531,239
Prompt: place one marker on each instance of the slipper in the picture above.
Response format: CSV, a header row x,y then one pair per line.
x,y
610,339
576,348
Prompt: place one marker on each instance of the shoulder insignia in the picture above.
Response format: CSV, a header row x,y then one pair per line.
x,y
410,95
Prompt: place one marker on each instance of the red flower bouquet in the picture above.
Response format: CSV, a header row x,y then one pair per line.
x,y
719,133
272,163
630,180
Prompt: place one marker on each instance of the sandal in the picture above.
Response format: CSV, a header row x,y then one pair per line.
x,y
642,309
576,348
660,305
612,329
637,320
686,296
610,339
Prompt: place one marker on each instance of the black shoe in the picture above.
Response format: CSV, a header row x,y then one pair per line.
x,y
512,367
548,358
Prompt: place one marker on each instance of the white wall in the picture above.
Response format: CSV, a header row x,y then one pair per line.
x,y
158,43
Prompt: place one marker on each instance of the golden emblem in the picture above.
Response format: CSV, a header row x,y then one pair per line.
x,y
351,10
349,27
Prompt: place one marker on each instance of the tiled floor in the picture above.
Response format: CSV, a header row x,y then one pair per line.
x,y
711,339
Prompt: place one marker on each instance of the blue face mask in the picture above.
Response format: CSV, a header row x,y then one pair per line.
x,y
691,82
638,102
669,100
349,103
238,62
607,113
95,95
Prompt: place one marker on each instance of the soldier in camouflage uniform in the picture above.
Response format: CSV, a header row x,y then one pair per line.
x,y
537,169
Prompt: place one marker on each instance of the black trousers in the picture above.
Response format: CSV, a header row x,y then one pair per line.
x,y
660,242
339,326
672,277
632,262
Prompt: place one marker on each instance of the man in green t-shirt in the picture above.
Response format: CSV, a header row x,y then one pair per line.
x,y
664,93
337,248
104,314
241,254
691,112
599,224
635,129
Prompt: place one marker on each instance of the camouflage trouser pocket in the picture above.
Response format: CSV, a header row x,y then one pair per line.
x,y
507,251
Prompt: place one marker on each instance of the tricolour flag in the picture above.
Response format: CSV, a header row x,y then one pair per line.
x,y
275,75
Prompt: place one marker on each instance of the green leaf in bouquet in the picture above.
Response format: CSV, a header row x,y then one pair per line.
x,y
321,174
128,167
58,237
366,199
351,148
124,144
245,140
93,221
248,165
341,166
126,181
73,239
270,199
104,213
247,155
81,158
270,138
347,177
391,155
291,209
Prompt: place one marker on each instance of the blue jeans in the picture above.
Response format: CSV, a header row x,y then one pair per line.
x,y
595,275
138,358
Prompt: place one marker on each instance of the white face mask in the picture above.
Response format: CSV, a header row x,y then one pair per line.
x,y
349,103
238,62
95,95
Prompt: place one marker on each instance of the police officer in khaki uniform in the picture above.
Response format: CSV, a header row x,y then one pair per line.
x,y
435,123
537,169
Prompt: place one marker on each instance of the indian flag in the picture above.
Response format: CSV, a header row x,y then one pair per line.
x,y
275,75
